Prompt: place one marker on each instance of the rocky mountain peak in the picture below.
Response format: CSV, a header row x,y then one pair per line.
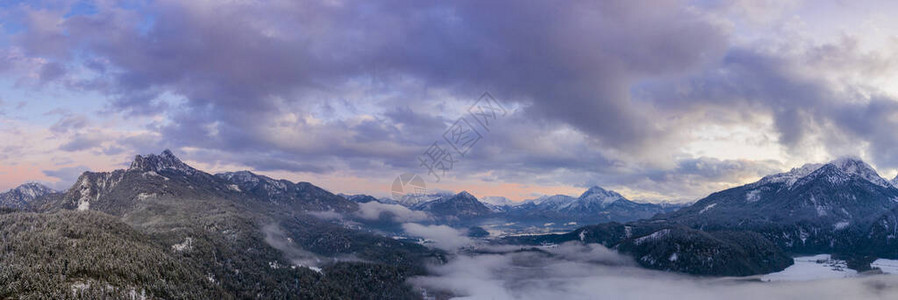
x,y
21,196
499,201
852,166
844,166
594,190
166,161
32,189
600,196
459,205
466,195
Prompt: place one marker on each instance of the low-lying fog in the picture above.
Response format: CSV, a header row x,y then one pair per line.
x,y
577,271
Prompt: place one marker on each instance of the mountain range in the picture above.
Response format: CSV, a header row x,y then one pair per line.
x,y
233,235
842,207
595,205
178,232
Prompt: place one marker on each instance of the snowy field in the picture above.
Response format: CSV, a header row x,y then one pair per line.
x,y
888,266
820,266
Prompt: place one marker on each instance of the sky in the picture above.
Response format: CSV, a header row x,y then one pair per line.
x,y
659,100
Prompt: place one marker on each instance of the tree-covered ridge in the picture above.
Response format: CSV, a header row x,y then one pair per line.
x,y
93,255
90,255
218,230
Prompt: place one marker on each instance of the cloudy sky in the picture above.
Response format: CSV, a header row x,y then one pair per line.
x,y
659,100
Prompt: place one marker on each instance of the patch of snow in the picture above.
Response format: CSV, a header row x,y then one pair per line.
x,y
234,187
132,294
655,235
583,235
83,205
78,287
154,174
186,245
821,210
753,196
710,206
841,225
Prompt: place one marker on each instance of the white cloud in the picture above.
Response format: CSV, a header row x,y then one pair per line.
x,y
397,213
443,237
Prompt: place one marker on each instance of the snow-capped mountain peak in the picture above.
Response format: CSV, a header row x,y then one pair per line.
x,y
466,195
21,196
32,190
599,196
459,205
498,201
851,166
161,162
855,166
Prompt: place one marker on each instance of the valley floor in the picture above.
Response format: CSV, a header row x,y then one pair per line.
x,y
823,266
578,271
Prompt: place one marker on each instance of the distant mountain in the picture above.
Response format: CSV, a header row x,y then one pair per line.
x,y
361,198
459,206
499,201
499,204
842,207
411,200
595,205
21,196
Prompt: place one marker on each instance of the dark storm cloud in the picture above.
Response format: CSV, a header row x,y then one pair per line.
x,y
243,63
